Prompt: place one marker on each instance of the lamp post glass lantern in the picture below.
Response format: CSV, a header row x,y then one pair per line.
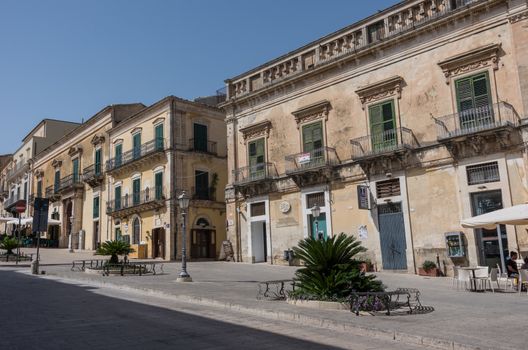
x,y
316,211
183,203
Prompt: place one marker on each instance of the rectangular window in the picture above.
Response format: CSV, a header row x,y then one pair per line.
x,y
118,154
39,188
482,173
201,183
474,101
158,183
117,197
158,131
258,209
383,133
315,198
388,188
97,162
136,145
75,171
312,138
96,207
56,182
200,138
136,188
256,151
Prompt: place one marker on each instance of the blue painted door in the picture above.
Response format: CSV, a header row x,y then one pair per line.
x,y
392,237
318,227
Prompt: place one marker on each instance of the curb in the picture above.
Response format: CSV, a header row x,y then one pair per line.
x,y
295,317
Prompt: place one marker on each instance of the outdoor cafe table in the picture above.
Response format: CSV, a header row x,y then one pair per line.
x,y
473,281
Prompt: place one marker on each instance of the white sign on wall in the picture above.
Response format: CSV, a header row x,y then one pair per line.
x,y
362,232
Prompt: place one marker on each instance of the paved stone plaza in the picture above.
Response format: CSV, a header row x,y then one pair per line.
x,y
460,317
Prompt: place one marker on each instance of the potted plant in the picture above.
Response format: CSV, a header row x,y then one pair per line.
x,y
428,269
8,244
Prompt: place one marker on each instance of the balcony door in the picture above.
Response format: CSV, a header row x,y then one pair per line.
x,y
257,168
75,171
201,182
312,137
158,184
117,197
56,182
97,162
474,101
118,154
200,138
158,131
136,186
136,145
382,120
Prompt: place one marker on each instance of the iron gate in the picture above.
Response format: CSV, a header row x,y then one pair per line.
x,y
392,236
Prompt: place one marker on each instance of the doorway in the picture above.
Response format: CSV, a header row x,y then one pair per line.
x,y
258,241
487,240
318,227
158,243
392,236
95,243
203,244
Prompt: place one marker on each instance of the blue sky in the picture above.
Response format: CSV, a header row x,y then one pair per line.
x,y
67,59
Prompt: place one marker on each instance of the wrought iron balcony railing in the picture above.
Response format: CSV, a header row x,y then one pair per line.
x,y
10,202
93,172
128,201
387,141
258,172
19,167
476,120
135,154
305,161
204,146
69,182
203,193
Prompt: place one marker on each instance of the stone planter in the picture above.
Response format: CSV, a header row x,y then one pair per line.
x,y
321,305
430,273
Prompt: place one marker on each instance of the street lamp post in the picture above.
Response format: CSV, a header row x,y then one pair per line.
x,y
316,211
183,202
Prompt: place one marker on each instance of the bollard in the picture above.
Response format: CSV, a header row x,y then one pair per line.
x,y
34,267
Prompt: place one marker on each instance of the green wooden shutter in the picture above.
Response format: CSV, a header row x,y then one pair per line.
x,y
136,185
312,137
136,145
118,154
474,101
256,152
96,207
117,197
158,131
201,182
56,183
200,137
382,125
39,188
97,162
158,181
75,172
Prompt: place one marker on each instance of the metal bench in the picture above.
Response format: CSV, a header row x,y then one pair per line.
x,y
133,268
274,290
408,298
80,265
14,257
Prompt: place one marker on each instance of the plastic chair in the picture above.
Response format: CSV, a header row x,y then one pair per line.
x,y
454,281
463,277
494,277
503,276
481,276
523,280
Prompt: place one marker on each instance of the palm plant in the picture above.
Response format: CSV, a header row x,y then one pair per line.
x,y
8,244
114,249
330,269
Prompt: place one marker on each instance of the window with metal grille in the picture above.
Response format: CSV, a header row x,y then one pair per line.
x,y
258,209
483,173
388,188
315,198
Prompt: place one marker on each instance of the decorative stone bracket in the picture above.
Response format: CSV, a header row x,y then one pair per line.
x,y
380,90
75,150
315,111
480,57
98,140
260,129
56,163
39,173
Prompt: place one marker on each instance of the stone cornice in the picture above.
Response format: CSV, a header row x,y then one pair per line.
x,y
519,16
380,90
260,129
480,57
39,173
318,110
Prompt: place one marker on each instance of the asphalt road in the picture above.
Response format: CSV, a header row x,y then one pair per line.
x,y
38,313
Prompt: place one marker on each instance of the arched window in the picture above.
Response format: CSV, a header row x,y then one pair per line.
x,y
202,222
136,231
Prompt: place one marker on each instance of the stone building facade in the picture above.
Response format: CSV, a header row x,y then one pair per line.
x,y
396,127
171,146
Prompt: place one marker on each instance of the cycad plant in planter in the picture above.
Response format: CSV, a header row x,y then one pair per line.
x,y
8,244
331,270
114,249
428,269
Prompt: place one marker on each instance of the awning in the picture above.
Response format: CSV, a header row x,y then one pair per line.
x,y
29,221
4,219
516,215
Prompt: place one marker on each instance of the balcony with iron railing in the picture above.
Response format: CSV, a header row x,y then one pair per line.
x,y
10,202
203,193
70,183
477,120
254,173
203,146
20,166
93,174
151,150
52,193
150,198
383,143
323,157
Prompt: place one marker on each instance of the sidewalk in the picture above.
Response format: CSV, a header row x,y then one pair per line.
x,y
461,320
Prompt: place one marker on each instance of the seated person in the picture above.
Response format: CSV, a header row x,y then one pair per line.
x,y
511,265
525,265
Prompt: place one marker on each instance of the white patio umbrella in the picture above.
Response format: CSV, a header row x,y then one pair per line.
x,y
29,221
516,215
6,219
